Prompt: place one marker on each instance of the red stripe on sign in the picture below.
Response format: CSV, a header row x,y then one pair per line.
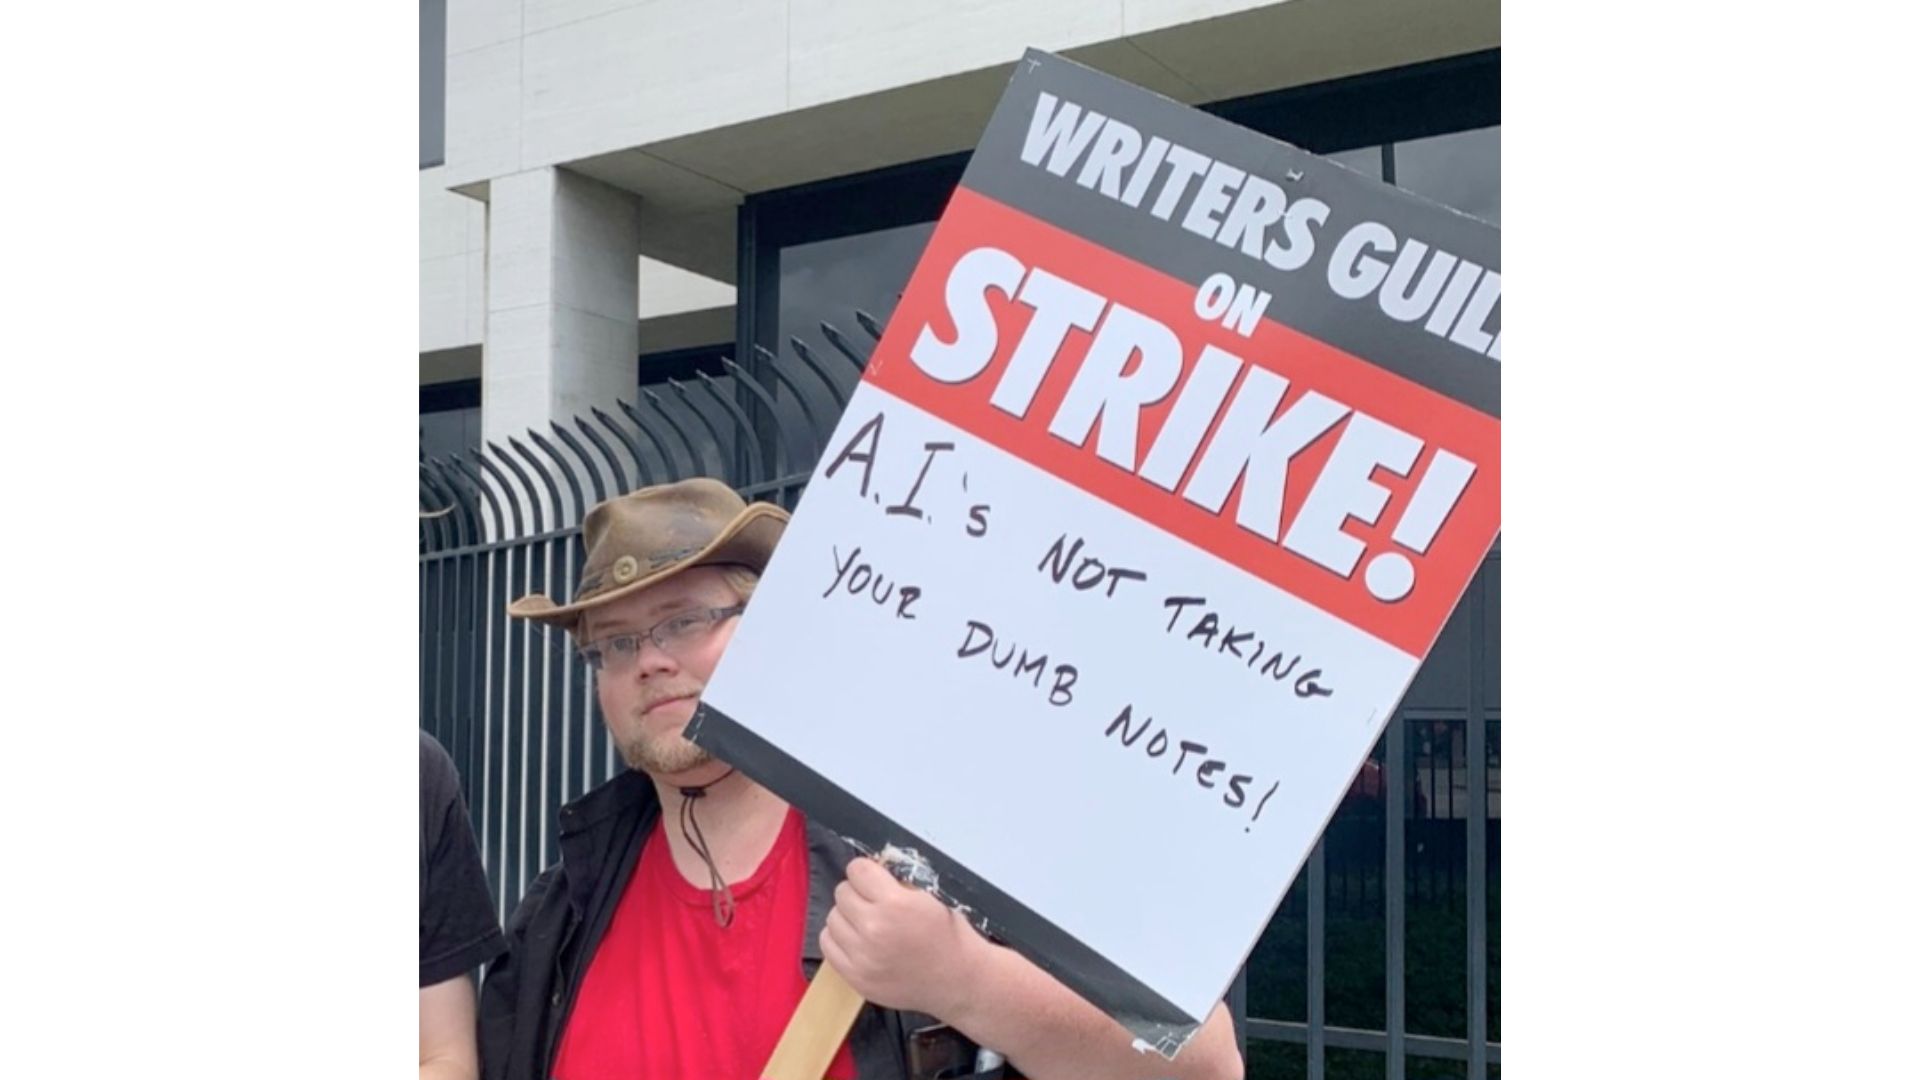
x,y
1271,450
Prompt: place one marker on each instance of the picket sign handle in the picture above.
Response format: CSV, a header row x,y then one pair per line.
x,y
820,1024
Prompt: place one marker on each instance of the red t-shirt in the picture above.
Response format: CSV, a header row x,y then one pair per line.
x,y
671,995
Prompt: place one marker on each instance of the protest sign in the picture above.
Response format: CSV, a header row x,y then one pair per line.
x,y
1177,454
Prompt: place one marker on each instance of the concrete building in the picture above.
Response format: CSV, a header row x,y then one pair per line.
x,y
602,181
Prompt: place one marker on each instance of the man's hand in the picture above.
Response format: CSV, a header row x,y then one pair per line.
x,y
898,946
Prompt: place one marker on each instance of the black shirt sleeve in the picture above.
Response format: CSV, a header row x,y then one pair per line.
x,y
459,930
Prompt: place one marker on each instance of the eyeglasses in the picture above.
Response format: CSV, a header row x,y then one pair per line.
x,y
618,653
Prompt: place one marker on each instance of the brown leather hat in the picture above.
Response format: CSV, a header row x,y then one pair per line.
x,y
647,536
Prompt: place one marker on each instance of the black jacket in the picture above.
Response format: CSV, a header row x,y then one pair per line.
x,y
561,920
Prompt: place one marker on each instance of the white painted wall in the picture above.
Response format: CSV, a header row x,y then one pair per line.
x,y
453,285
546,82
666,289
538,82
562,332
453,266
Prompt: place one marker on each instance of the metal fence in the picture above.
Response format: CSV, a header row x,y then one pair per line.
x,y
514,707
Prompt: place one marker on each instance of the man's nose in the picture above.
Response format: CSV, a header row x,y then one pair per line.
x,y
652,660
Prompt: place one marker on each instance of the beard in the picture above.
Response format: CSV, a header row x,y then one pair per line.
x,y
662,755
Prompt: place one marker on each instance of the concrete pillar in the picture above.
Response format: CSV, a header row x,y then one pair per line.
x,y
562,322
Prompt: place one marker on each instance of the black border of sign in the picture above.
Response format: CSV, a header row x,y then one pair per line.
x,y
1150,1017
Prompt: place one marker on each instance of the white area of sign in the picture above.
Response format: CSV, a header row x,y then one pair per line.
x,y
1150,869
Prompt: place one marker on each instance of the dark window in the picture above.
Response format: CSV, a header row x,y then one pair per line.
x,y
449,418
657,367
817,241
1460,169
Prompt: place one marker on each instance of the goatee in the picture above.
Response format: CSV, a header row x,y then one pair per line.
x,y
663,756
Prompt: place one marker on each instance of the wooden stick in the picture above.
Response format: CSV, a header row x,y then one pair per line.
x,y
819,1025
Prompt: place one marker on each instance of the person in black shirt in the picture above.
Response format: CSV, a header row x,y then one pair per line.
x,y
459,930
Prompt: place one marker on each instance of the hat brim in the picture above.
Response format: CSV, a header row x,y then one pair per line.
x,y
747,540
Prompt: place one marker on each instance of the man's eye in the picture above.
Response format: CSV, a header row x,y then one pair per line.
x,y
681,624
625,645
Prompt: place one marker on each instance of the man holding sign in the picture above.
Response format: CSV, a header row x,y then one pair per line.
x,y
1180,449
680,949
